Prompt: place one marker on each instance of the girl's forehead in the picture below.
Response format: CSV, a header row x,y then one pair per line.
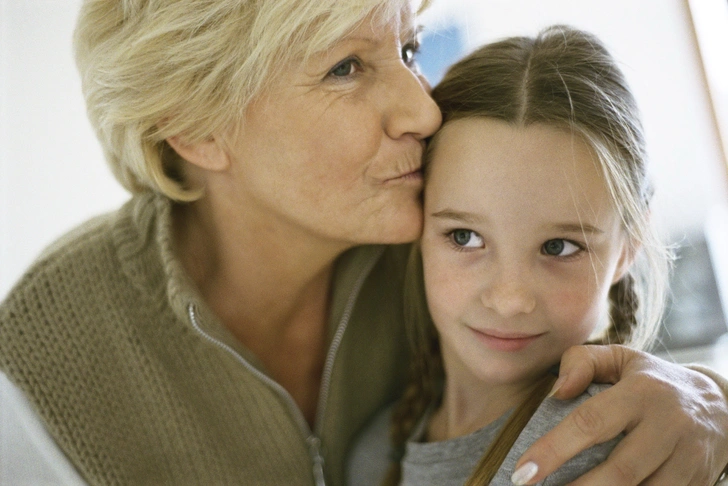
x,y
492,145
497,167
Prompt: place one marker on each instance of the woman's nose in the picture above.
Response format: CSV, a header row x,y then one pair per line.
x,y
412,110
509,294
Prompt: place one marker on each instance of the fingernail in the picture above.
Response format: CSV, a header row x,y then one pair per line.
x,y
524,474
557,386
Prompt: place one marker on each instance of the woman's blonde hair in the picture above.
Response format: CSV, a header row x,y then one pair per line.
x,y
564,78
152,69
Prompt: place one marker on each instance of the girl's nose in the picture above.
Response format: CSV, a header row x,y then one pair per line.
x,y
509,295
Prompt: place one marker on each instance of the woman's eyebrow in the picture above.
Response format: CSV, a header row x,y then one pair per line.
x,y
360,38
414,31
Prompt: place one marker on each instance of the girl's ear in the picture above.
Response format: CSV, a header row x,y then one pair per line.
x,y
630,248
209,154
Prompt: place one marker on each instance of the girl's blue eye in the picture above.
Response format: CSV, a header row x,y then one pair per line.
x,y
344,69
560,247
466,238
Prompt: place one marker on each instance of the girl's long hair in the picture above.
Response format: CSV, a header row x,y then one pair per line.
x,y
563,78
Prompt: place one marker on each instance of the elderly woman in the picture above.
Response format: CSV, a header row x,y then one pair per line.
x,y
239,319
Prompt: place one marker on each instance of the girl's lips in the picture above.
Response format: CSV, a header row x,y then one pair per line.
x,y
505,341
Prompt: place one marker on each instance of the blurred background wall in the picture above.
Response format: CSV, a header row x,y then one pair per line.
x,y
52,174
675,56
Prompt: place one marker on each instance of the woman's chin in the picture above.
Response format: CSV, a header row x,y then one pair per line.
x,y
395,234
404,229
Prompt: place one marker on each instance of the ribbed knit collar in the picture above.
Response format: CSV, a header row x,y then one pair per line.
x,y
145,246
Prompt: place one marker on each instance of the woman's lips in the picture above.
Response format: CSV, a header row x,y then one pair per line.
x,y
410,177
408,169
500,341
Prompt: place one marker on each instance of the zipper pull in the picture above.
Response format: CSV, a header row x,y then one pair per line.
x,y
314,447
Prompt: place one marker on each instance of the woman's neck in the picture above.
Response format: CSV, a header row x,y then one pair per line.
x,y
269,286
250,267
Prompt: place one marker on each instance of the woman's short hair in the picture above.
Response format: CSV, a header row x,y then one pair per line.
x,y
152,69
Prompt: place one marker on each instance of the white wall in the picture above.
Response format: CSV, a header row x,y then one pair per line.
x,y
52,175
654,42
711,19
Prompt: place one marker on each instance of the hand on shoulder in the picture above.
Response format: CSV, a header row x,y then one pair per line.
x,y
675,420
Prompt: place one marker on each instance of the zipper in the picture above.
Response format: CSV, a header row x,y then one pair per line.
x,y
313,437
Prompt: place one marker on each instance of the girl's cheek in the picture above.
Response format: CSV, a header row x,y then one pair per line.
x,y
570,304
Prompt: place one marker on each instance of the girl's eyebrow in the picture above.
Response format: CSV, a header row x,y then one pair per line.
x,y
578,228
473,218
461,216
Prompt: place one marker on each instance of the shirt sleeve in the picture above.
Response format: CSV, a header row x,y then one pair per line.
x,y
723,384
28,454
713,375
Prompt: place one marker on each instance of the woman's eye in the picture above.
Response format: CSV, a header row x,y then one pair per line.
x,y
466,238
409,52
344,69
559,247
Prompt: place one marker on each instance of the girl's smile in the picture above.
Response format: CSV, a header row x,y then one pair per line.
x,y
521,244
505,341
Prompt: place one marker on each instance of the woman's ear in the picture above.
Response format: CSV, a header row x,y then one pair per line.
x,y
208,154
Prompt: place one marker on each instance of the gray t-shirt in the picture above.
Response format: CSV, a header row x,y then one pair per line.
x,y
450,463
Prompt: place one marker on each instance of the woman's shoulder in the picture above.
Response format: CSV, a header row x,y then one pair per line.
x,y
58,271
84,253
70,288
80,244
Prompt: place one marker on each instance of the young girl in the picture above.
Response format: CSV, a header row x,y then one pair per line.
x,y
536,238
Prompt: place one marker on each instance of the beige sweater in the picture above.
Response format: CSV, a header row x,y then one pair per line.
x,y
139,383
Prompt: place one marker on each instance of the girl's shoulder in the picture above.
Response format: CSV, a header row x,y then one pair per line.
x,y
547,416
370,456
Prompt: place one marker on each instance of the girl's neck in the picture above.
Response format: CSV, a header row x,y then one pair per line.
x,y
468,405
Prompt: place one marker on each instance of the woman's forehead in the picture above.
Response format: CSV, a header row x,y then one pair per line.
x,y
396,17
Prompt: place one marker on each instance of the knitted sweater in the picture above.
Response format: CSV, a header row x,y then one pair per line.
x,y
139,383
